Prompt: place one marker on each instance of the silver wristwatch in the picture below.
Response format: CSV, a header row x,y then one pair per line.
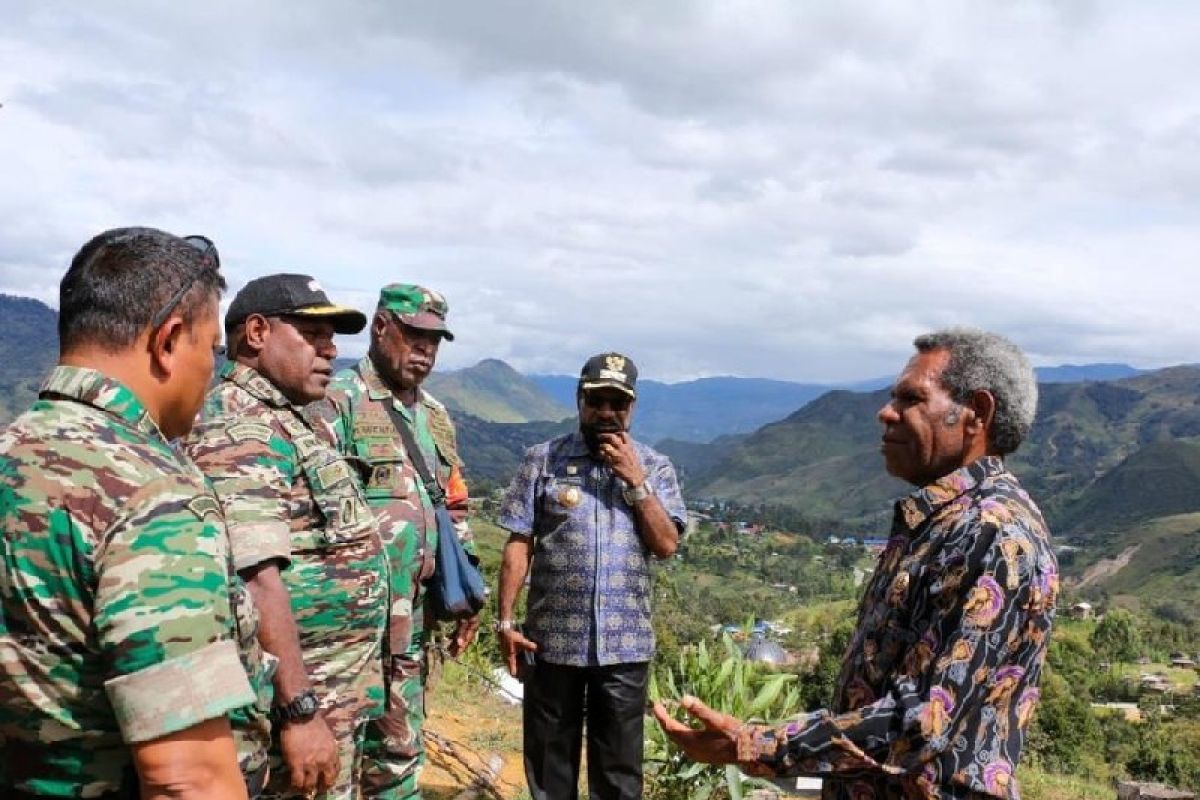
x,y
636,494
504,625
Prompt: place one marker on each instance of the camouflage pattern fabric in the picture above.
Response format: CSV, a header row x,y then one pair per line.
x,y
356,408
116,621
289,495
417,306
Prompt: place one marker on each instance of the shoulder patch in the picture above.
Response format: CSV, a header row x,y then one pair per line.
x,y
250,431
204,506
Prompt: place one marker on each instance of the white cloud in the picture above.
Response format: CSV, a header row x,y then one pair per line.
x,y
757,188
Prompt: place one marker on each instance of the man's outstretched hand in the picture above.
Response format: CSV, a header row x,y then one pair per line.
x,y
714,743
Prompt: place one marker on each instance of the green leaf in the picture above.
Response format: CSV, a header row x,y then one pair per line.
x,y
768,694
733,782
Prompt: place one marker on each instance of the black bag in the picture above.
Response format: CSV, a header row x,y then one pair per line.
x,y
456,590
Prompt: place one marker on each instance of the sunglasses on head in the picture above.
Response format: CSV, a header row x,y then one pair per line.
x,y
208,251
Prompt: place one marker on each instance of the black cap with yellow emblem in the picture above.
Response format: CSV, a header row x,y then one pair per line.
x,y
611,371
288,294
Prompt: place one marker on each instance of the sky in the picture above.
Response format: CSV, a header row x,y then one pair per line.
x,y
764,189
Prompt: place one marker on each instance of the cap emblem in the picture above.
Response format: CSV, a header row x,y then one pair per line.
x,y
616,364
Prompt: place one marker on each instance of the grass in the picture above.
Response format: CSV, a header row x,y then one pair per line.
x,y
1038,785
1182,678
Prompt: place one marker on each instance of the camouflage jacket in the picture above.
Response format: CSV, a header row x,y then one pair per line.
x,y
356,410
289,495
116,623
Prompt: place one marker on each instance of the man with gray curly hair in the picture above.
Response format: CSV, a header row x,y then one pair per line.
x,y
982,360
940,679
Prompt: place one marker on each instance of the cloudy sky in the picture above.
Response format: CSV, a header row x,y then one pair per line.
x,y
776,189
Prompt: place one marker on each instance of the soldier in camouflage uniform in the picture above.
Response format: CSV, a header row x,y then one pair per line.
x,y
303,536
364,404
126,640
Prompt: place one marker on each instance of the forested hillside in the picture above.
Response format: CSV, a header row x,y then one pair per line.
x,y
28,348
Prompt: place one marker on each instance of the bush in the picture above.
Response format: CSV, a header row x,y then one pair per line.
x,y
727,682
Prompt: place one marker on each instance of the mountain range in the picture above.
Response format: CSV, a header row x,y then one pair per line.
x,y
28,349
825,456
493,391
703,409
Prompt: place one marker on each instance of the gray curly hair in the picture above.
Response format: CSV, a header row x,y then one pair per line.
x,y
988,361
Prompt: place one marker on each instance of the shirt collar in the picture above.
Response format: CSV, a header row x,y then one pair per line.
x,y
377,389
913,510
254,383
107,394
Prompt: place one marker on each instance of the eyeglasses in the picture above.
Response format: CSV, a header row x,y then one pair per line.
x,y
207,250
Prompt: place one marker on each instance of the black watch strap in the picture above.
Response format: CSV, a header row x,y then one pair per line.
x,y
302,706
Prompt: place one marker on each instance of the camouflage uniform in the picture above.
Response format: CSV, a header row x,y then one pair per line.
x,y
356,405
121,617
288,495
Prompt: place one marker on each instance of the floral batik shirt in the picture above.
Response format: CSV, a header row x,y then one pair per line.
x,y
940,678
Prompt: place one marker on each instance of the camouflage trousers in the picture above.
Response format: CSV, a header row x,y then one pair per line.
x,y
394,751
339,603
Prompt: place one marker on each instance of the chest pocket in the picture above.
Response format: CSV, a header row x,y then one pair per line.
x,y
562,497
386,473
335,493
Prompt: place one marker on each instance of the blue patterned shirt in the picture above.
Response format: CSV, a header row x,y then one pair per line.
x,y
941,677
589,592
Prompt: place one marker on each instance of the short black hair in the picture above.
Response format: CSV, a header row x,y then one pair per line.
x,y
122,278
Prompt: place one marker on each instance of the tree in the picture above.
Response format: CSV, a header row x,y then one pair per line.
x,y
1116,637
816,690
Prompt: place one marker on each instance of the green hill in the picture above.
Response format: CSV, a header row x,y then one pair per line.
x,y
1152,566
493,391
492,450
28,349
1161,479
824,458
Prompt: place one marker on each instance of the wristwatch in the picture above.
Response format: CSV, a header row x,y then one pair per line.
x,y
301,707
636,494
504,625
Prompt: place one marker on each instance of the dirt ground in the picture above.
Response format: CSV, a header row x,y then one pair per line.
x,y
469,728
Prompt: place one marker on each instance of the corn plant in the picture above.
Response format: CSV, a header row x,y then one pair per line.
x,y
724,680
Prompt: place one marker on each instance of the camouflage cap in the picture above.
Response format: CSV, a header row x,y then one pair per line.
x,y
416,306
609,371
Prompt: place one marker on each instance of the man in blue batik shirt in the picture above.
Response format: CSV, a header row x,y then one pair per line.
x,y
588,509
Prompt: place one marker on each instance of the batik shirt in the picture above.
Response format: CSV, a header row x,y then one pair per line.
x,y
290,497
940,678
589,591
116,621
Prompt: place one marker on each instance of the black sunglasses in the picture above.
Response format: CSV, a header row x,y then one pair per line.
x,y
207,250
615,402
